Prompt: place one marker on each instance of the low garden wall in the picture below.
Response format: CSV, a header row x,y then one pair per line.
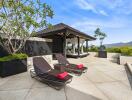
x,y
129,66
93,54
125,59
114,57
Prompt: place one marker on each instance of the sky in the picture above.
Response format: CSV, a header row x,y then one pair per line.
x,y
114,17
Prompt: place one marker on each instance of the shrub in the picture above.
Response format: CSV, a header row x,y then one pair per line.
x,y
125,50
85,49
13,57
113,50
93,49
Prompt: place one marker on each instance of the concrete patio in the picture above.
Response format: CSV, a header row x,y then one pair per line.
x,y
103,81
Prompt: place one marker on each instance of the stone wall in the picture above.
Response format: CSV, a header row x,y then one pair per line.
x,y
3,52
34,47
37,46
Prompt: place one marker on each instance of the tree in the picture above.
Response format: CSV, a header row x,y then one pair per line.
x,y
100,35
19,20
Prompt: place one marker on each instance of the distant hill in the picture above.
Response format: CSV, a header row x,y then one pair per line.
x,y
118,44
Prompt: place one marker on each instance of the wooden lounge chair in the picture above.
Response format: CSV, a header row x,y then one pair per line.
x,y
72,68
44,73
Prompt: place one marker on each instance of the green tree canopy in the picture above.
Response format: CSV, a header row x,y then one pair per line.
x,y
20,19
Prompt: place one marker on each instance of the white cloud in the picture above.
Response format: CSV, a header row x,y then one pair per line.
x,y
83,4
103,12
89,25
116,28
116,6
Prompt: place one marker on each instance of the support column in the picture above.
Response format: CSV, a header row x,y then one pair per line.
x,y
73,49
78,46
74,46
82,42
64,44
82,49
87,45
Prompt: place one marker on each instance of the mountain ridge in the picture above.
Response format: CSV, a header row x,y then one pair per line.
x,y
119,44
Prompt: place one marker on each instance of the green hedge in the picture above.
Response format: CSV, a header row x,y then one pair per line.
x,y
113,50
126,50
13,56
91,49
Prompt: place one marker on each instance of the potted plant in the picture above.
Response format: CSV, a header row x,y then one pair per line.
x,y
19,21
13,64
101,36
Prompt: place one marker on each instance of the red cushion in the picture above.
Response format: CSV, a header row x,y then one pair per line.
x,y
80,66
62,75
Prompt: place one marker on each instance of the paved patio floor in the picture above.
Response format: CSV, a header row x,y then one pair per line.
x,y
103,81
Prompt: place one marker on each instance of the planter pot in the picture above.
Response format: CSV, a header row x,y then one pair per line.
x,y
102,54
13,67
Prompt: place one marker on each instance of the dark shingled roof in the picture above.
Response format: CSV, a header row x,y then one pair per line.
x,y
60,27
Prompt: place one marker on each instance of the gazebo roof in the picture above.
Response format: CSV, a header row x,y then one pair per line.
x,y
60,28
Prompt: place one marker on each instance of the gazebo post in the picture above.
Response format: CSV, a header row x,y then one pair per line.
x,y
87,45
82,50
64,43
78,46
74,42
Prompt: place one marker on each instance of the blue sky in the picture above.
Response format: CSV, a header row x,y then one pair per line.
x,y
114,17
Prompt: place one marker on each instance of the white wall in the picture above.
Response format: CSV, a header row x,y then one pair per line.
x,y
48,58
40,39
114,57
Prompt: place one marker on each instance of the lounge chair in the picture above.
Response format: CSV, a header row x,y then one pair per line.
x,y
72,68
44,73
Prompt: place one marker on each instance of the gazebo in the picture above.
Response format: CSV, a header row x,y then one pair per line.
x,y
66,40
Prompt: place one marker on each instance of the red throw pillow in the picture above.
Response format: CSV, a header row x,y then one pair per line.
x,y
80,66
62,75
